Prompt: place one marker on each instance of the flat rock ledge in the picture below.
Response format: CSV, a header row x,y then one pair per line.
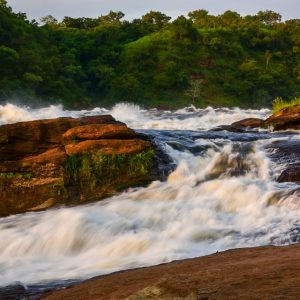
x,y
69,161
250,273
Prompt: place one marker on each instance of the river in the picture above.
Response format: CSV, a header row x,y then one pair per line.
x,y
223,194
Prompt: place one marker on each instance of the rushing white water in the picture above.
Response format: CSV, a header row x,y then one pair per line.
x,y
189,118
223,196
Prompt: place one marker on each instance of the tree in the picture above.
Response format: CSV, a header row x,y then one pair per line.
x,y
112,17
268,57
183,29
3,5
194,90
154,21
49,20
9,59
230,18
268,17
199,17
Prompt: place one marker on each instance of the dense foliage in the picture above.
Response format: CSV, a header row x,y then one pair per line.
x,y
154,61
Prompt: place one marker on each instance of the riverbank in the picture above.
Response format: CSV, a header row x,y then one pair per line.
x,y
251,273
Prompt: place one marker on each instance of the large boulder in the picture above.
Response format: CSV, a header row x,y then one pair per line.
x,y
287,118
69,161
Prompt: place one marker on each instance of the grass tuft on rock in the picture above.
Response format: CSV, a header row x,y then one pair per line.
x,y
280,103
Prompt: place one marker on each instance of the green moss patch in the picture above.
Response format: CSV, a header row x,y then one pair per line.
x,y
91,171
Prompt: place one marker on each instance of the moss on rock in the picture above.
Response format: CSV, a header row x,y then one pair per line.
x,y
95,173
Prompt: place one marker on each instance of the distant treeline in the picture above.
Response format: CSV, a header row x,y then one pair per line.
x,y
154,61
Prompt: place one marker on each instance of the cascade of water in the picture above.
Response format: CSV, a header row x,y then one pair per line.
x,y
221,195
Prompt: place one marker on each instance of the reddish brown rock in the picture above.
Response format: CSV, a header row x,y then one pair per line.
x,y
31,138
251,273
249,122
241,126
287,118
108,147
99,131
68,161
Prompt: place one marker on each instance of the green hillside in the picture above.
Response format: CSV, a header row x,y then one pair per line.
x,y
153,61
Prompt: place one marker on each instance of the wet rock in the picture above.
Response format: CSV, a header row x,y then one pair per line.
x,y
287,118
69,161
230,128
291,174
287,154
13,292
241,126
249,122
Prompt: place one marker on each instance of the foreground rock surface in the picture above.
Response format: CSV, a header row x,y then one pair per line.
x,y
251,273
68,161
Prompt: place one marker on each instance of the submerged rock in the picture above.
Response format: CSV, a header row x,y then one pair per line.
x,y
69,161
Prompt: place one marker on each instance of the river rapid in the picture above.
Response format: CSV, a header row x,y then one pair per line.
x,y
222,194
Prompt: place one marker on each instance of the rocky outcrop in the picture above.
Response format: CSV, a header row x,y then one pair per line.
x,y
287,118
242,126
69,161
251,273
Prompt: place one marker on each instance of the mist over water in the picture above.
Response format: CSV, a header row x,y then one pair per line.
x,y
222,195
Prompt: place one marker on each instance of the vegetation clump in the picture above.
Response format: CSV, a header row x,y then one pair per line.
x,y
279,104
97,170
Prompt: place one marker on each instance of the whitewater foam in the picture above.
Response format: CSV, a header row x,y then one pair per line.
x,y
221,197
189,118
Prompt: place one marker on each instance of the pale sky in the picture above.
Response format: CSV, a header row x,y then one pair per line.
x,y
289,9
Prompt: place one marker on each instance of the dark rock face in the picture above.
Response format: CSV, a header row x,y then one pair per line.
x,y
68,161
287,152
291,174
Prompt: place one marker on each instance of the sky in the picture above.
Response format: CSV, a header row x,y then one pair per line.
x,y
289,9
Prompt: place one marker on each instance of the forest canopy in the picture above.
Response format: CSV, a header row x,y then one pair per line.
x,y
198,59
